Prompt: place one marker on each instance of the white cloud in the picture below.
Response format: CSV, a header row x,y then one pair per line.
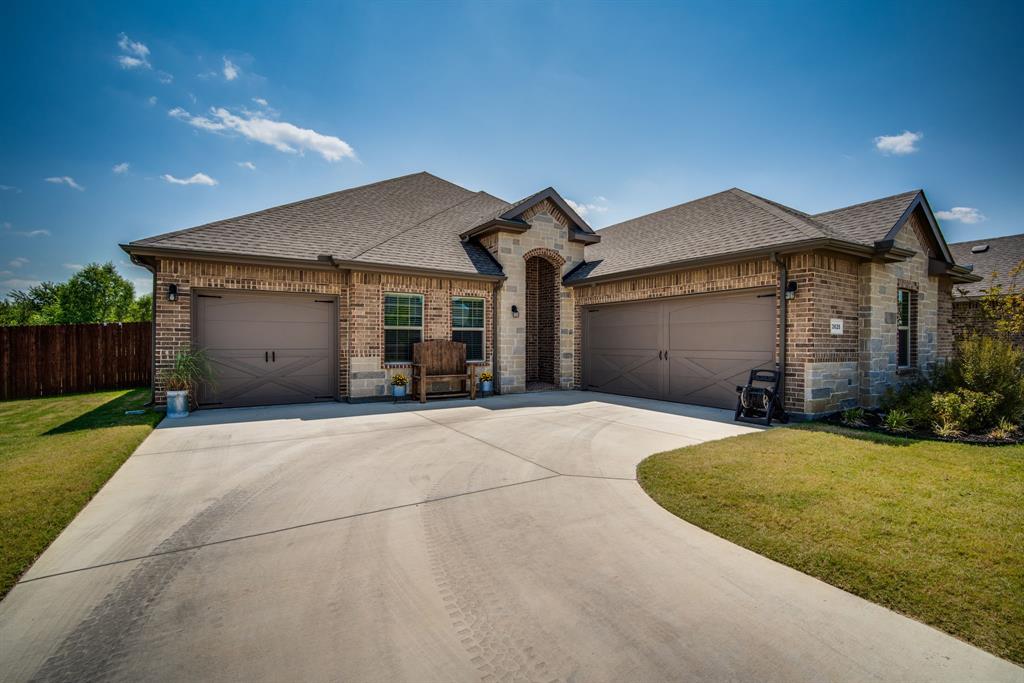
x,y
17,262
73,266
964,214
281,135
230,70
135,54
260,101
195,179
132,47
151,100
904,143
247,164
18,283
164,77
25,233
583,209
10,188
64,180
121,168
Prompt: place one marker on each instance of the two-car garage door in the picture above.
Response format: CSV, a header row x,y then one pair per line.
x,y
267,348
691,349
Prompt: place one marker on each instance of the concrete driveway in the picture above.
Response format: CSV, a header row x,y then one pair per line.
x,y
501,539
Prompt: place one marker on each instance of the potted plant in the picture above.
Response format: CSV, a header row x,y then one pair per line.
x,y
191,368
486,382
398,383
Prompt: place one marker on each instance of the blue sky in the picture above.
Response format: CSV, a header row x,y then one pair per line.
x,y
122,120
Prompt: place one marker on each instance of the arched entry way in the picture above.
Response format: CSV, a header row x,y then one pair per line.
x,y
543,283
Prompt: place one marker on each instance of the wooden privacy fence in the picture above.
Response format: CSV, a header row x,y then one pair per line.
x,y
47,360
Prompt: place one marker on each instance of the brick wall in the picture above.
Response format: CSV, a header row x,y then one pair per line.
x,y
371,377
967,317
174,318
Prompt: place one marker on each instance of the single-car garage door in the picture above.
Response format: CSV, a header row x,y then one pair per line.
x,y
691,349
267,348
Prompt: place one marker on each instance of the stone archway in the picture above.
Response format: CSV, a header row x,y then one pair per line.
x,y
543,292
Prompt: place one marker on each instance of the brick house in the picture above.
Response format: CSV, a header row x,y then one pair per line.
x,y
993,260
322,299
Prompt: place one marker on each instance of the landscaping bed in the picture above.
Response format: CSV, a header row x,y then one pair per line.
x,y
931,529
55,454
874,422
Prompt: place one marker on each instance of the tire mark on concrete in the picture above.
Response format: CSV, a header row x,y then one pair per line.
x,y
490,624
96,649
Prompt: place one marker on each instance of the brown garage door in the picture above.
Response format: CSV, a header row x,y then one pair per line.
x,y
266,348
692,349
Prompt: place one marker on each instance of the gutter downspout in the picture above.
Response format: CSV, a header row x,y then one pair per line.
x,y
783,301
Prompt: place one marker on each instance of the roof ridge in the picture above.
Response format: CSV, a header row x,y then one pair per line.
x,y
473,195
870,201
985,239
660,211
251,214
808,226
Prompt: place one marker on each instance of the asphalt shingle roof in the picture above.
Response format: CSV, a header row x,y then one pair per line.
x,y
727,222
412,221
994,264
730,222
868,222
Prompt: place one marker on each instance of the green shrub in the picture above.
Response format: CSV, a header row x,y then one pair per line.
x,y
913,398
1004,430
898,420
965,410
854,417
990,365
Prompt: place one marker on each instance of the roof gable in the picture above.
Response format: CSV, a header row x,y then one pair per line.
x,y
516,217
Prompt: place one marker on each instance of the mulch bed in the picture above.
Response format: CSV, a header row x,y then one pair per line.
x,y
873,423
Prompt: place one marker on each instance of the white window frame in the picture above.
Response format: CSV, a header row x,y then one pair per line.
x,y
386,327
482,330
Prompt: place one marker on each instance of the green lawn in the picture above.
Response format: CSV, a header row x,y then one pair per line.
x,y
932,530
55,454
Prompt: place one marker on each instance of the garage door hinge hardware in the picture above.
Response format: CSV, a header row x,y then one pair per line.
x,y
323,301
210,296
766,296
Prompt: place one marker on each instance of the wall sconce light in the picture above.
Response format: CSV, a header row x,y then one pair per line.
x,y
515,311
172,292
791,289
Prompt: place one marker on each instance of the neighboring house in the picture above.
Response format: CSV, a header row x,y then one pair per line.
x,y
994,260
322,299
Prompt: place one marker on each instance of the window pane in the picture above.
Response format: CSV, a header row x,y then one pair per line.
x,y
903,308
903,347
403,310
474,342
398,345
467,313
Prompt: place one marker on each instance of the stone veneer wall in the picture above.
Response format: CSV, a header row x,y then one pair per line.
x,y
548,234
879,283
174,318
370,375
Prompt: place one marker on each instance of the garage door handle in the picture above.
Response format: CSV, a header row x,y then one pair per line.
x,y
659,355
666,354
273,356
266,356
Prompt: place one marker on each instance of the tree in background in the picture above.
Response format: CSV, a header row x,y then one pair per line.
x,y
95,294
1005,305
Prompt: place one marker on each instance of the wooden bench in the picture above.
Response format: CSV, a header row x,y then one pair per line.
x,y
441,360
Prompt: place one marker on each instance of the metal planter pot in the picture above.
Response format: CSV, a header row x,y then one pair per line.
x,y
487,387
177,404
398,391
